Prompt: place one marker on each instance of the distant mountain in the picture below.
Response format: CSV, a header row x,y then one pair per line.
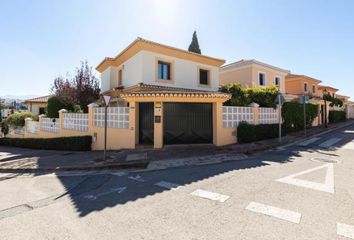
x,y
21,97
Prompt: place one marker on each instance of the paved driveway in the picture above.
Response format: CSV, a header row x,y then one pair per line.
x,y
300,192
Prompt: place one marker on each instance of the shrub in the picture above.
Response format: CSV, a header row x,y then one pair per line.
x,y
4,128
337,116
54,105
264,96
82,143
293,115
17,120
249,132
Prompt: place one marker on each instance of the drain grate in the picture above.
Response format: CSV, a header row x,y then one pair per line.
x,y
326,160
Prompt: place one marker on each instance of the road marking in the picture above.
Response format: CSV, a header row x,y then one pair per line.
x,y
308,142
168,185
328,186
345,230
283,214
93,197
348,131
210,195
119,174
329,142
137,178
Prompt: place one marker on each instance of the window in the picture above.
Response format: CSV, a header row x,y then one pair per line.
x,y
164,70
261,79
313,89
277,81
203,77
120,78
305,87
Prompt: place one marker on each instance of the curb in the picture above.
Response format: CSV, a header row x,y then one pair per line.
x,y
141,166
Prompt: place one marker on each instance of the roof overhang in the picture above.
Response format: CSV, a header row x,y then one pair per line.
x,y
141,44
291,77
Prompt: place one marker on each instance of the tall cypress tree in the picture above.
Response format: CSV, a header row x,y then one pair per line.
x,y
194,46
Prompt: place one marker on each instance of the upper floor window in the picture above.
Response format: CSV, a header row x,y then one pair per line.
x,y
164,70
120,77
277,81
204,77
313,89
305,87
261,79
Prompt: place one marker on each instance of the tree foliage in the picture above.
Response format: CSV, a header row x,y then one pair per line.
x,y
55,104
264,96
194,46
334,101
81,90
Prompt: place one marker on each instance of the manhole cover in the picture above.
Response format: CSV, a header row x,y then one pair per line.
x,y
326,160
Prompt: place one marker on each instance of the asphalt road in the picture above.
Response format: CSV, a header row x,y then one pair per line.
x,y
297,192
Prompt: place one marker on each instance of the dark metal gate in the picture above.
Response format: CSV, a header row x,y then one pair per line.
x,y
146,123
187,123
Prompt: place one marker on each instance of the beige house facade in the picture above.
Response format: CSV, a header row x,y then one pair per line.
x,y
37,105
253,73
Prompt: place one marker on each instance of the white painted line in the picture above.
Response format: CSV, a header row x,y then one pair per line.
x,y
119,174
329,142
283,214
348,131
210,195
137,178
168,185
328,186
345,230
93,197
308,142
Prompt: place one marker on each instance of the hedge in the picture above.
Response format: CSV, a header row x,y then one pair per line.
x,y
82,143
337,116
293,115
249,132
17,120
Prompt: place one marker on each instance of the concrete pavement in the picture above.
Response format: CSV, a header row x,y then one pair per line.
x,y
233,200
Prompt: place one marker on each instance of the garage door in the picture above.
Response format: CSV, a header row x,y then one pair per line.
x,y
187,123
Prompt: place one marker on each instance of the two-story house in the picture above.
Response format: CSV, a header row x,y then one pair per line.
x,y
299,85
174,93
253,73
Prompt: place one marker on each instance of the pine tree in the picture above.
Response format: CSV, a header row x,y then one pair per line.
x,y
194,46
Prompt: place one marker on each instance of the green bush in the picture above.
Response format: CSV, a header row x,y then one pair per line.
x,y
54,105
82,143
17,120
337,116
4,128
293,115
264,96
249,132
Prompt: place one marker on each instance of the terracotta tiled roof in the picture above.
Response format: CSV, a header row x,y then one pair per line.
x,y
292,76
43,99
327,87
148,90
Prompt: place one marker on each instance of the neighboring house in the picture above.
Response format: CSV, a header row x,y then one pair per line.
x,y
331,90
252,73
299,85
37,105
173,92
6,112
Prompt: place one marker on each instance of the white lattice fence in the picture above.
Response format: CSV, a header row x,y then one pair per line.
x,y
50,124
117,117
232,116
32,126
268,116
75,121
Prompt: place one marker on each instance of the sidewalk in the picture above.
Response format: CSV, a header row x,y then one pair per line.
x,y
14,160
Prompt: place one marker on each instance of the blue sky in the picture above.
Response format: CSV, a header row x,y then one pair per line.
x,y
41,39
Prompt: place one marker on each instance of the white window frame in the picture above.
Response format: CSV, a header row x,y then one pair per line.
x,y
307,87
313,88
265,79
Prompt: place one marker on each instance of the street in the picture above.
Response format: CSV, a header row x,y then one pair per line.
x,y
304,191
